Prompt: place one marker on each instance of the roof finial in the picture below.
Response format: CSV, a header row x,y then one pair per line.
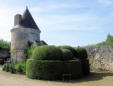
x,y
26,7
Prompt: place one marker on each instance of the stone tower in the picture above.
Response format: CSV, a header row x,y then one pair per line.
x,y
24,33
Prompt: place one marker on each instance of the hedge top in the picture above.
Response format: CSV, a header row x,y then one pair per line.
x,y
67,54
47,52
81,53
69,48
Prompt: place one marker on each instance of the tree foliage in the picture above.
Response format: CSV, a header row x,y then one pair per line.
x,y
108,41
4,44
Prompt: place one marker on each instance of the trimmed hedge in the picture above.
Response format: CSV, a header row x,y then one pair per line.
x,y
85,66
47,53
73,67
81,53
44,69
53,69
70,48
67,54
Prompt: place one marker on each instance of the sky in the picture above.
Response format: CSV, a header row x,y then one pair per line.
x,y
62,22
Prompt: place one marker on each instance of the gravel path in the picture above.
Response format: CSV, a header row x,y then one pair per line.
x,y
95,79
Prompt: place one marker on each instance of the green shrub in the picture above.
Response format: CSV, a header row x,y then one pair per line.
x,y
73,67
29,52
6,67
44,69
12,68
81,53
68,47
15,68
47,53
67,54
85,66
20,67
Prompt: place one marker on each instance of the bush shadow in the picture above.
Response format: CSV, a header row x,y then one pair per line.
x,y
94,76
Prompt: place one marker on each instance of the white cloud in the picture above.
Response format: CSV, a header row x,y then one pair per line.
x,y
106,2
61,19
68,22
56,6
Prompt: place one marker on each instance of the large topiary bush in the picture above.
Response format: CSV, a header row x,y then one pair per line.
x,y
67,54
85,66
44,69
73,67
53,69
68,47
47,53
81,53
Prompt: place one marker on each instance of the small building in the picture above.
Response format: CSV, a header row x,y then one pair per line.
x,y
4,55
24,33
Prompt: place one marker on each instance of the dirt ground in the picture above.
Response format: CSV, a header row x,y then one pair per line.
x,y
95,79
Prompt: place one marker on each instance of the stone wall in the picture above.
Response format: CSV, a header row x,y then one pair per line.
x,y
100,58
21,36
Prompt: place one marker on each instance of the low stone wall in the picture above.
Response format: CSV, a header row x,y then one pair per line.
x,y
100,58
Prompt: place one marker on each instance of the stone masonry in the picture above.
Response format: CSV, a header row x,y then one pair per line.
x,y
101,58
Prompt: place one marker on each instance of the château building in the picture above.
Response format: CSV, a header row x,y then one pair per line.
x,y
24,33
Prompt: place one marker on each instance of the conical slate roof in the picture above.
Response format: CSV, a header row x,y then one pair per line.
x,y
27,20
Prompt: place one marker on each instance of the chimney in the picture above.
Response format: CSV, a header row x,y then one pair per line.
x,y
17,19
